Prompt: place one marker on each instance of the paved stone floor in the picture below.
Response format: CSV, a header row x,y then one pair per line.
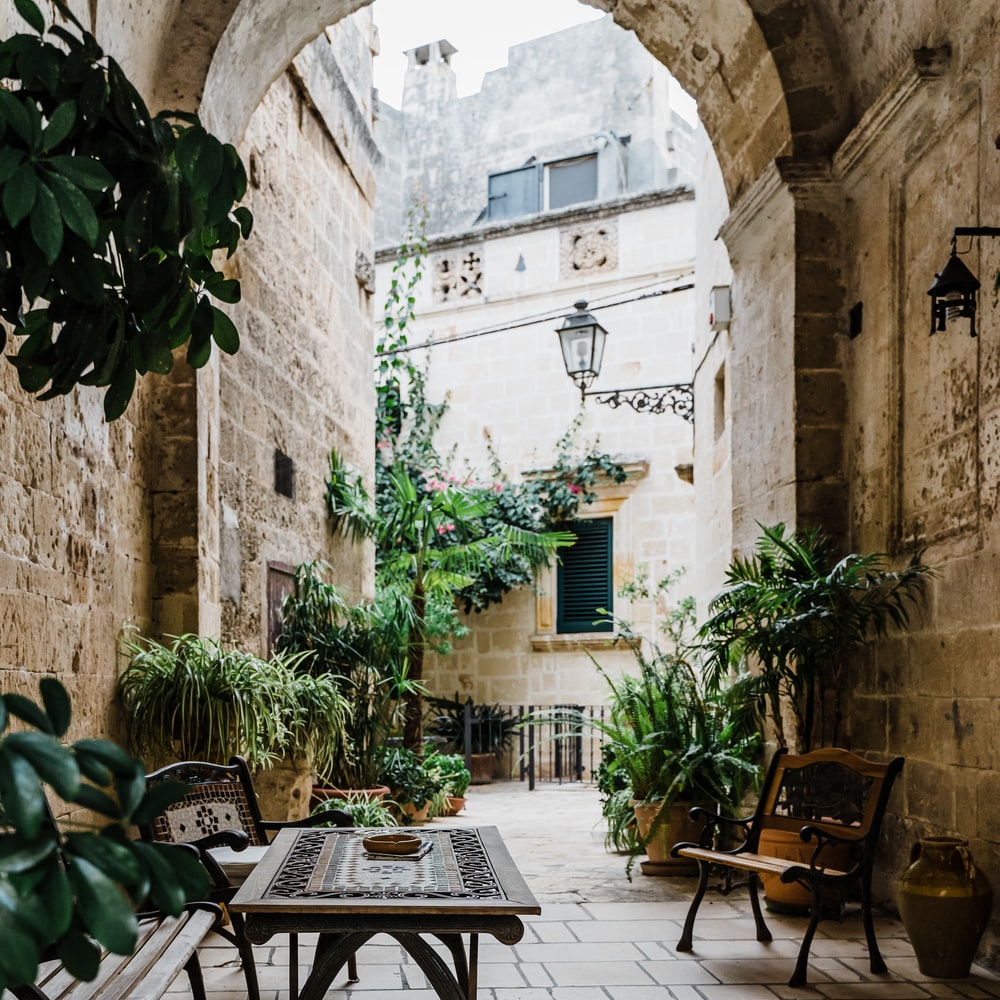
x,y
600,937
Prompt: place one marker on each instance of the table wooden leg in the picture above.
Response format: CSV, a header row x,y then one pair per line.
x,y
473,965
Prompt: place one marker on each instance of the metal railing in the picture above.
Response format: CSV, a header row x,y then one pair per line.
x,y
554,743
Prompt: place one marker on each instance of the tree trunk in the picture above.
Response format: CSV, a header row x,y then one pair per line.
x,y
413,728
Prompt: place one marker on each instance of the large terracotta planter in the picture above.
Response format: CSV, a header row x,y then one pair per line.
x,y
945,902
791,897
678,827
284,790
321,793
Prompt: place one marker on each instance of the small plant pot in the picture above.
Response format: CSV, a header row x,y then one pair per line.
x,y
456,803
482,768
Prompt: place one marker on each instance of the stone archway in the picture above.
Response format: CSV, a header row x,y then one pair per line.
x,y
768,94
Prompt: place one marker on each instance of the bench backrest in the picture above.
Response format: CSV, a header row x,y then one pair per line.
x,y
221,798
831,788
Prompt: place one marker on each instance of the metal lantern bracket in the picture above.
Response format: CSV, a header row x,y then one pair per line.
x,y
677,398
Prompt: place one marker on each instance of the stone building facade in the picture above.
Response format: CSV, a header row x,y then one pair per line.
x,y
851,140
508,254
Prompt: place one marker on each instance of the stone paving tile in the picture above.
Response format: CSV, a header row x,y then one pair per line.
x,y
575,951
606,973
625,930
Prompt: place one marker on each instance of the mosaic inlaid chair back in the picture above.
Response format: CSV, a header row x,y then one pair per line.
x,y
219,799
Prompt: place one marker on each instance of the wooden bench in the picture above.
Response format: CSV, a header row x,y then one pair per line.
x,y
829,797
165,946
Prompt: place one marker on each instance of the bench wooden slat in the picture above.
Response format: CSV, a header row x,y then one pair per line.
x,y
764,864
165,946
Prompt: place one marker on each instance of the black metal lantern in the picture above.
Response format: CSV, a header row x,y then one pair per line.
x,y
582,340
953,294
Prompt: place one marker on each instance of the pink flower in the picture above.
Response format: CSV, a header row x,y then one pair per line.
x,y
443,529
573,488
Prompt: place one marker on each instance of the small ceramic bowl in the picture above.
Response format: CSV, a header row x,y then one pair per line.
x,y
392,843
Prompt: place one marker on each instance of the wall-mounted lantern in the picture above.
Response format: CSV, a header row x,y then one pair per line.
x,y
953,292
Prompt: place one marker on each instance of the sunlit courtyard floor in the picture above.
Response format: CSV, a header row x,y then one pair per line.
x,y
600,937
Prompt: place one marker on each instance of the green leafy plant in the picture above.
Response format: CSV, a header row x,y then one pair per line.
x,y
66,894
195,700
365,810
362,646
109,219
402,770
449,772
793,612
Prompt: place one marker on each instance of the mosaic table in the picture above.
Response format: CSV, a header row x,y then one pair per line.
x,y
324,881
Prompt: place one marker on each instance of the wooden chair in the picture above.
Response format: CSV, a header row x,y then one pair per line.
x,y
830,797
221,815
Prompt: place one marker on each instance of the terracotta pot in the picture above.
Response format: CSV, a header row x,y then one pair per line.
x,y
482,768
677,827
944,902
416,815
321,793
456,803
791,897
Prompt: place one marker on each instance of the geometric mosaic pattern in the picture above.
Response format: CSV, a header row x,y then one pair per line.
x,y
333,864
210,807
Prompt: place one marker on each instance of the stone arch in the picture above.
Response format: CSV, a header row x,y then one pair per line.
x,y
763,74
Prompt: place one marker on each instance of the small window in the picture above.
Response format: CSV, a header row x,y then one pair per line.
x,y
572,182
584,578
514,193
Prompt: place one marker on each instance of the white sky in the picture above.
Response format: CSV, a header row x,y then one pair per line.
x,y
481,30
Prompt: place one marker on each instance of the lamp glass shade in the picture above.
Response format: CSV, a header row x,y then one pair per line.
x,y
582,340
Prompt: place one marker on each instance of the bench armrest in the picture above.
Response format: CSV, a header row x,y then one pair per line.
x,y
713,821
824,839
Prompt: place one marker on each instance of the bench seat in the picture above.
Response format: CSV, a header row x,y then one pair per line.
x,y
166,945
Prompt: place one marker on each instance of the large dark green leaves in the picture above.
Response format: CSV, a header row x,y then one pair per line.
x,y
67,890
109,220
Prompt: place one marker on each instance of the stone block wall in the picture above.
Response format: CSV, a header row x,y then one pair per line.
x,y
302,381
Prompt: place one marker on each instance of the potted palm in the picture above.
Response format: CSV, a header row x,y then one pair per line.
x,y
674,744
196,700
361,646
792,613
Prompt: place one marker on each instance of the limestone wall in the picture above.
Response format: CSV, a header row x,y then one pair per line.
x,y
301,383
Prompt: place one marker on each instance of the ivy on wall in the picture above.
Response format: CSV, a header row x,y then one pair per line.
x,y
109,219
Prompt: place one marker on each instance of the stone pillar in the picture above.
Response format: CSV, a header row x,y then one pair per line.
x,y
787,379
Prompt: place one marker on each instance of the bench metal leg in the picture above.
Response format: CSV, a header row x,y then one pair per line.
x,y
753,883
877,962
195,977
685,942
802,963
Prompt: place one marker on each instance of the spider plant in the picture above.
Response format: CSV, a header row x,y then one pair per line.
x,y
793,612
195,700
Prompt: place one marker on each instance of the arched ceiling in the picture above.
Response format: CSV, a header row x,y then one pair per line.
x,y
763,71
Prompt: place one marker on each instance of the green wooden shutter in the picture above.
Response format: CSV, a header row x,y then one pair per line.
x,y
584,578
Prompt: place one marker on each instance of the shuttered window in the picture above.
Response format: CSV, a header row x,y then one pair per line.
x,y
515,192
583,579
572,181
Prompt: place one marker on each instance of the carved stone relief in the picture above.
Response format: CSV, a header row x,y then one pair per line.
x,y
589,248
458,275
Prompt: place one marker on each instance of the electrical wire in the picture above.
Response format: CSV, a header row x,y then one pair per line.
x,y
547,317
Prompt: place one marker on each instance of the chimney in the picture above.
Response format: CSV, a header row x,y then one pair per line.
x,y
429,80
